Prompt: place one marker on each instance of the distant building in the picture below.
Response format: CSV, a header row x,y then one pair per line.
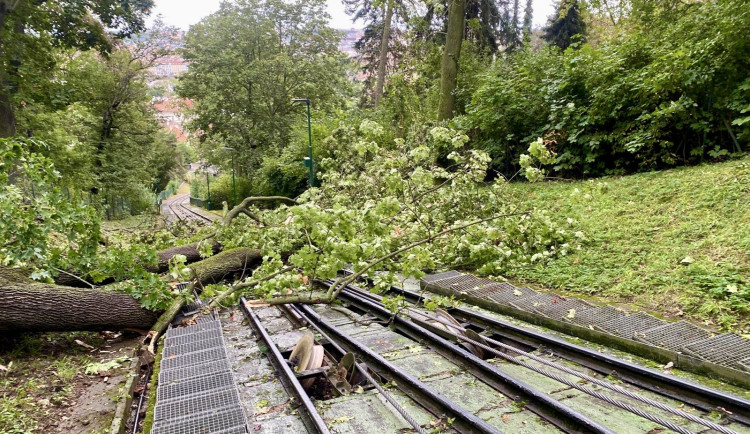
x,y
170,114
169,67
351,36
169,108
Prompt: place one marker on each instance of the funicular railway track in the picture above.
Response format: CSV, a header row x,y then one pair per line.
x,y
177,208
495,377
421,371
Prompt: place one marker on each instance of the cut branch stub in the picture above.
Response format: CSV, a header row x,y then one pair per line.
x,y
242,207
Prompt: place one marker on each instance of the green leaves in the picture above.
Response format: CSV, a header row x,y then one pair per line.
x,y
247,62
385,201
41,227
531,164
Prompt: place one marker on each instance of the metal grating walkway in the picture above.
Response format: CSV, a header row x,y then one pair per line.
x,y
673,336
728,350
197,392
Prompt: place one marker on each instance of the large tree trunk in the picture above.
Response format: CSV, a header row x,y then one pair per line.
x,y
7,117
229,263
451,54
383,58
190,251
26,305
31,306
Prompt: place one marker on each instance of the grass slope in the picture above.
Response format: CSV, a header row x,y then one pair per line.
x,y
676,242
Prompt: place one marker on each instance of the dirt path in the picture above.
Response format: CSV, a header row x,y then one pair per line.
x,y
47,389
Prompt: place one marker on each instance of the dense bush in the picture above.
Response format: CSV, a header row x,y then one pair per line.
x,y
674,92
221,189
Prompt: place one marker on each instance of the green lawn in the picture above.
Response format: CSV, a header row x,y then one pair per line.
x,y
675,242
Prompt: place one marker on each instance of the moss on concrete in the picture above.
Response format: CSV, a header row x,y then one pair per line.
x,y
148,421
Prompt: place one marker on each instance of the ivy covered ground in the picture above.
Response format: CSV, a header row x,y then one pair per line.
x,y
676,241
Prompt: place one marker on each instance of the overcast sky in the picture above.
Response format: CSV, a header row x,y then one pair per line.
x,y
183,13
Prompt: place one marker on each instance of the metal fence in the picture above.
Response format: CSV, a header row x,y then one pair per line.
x,y
165,194
205,204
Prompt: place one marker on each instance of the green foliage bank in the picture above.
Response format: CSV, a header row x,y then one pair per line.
x,y
675,241
667,88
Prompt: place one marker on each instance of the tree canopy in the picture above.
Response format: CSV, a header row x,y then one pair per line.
x,y
248,61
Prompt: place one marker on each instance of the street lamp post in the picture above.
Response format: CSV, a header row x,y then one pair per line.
x,y
309,160
208,185
234,185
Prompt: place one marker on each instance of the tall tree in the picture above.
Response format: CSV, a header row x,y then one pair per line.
x,y
451,53
383,57
528,15
29,29
380,44
567,24
247,62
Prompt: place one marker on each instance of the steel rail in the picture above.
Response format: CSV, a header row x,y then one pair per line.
x,y
309,414
605,384
438,404
362,370
181,212
701,397
193,212
540,403
610,386
586,390
147,379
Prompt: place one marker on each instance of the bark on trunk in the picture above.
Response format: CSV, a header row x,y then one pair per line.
x,y
189,250
451,54
31,306
26,305
7,117
226,264
383,57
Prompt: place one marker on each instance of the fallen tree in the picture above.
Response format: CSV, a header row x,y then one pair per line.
x,y
191,252
26,305
386,211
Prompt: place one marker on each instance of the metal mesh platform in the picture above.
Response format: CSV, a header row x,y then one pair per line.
x,y
673,336
561,307
490,290
193,347
179,331
595,316
194,337
531,303
183,388
627,326
513,295
174,361
204,318
432,278
744,364
463,283
724,349
228,421
197,392
208,368
190,407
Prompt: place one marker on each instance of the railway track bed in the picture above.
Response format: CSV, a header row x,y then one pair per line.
x,y
418,375
177,208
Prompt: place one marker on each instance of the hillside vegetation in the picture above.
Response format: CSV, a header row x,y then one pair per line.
x,y
675,241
